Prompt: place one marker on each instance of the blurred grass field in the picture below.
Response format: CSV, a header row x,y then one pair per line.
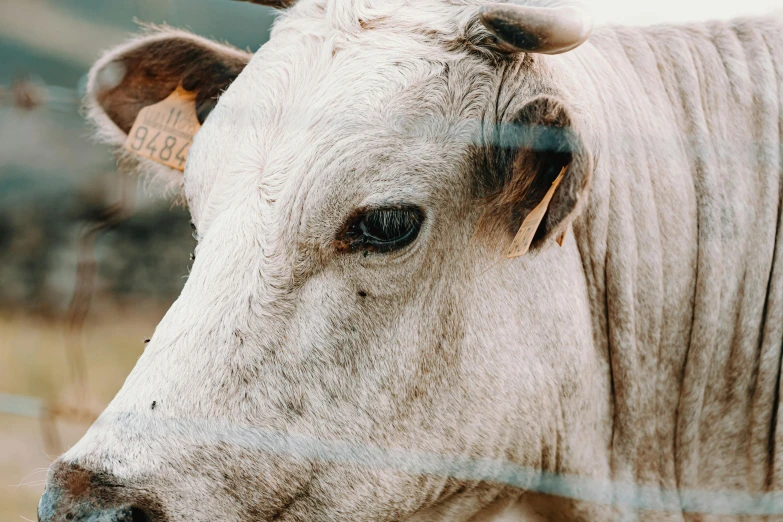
x,y
33,362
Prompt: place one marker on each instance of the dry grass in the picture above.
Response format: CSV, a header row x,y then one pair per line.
x,y
33,362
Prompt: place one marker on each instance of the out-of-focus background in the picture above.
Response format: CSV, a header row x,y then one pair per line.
x,y
89,259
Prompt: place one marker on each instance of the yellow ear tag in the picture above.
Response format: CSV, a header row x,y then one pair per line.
x,y
523,239
164,132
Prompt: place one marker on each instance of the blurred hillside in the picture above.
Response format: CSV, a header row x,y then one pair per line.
x,y
54,183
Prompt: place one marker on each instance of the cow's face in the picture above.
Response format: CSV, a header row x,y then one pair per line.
x,y
343,348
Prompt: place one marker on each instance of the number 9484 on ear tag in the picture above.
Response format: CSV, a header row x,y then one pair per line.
x,y
164,132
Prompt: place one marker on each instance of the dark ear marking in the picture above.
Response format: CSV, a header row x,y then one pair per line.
x,y
527,155
147,72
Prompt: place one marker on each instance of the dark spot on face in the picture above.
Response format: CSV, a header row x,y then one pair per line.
x,y
69,516
146,341
362,293
296,405
366,253
369,25
154,403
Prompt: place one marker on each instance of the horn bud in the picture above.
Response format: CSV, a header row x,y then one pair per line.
x,y
544,30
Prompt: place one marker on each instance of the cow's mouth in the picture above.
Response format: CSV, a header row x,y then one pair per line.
x,y
52,510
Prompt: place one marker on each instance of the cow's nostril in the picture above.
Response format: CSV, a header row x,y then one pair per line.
x,y
138,515
74,494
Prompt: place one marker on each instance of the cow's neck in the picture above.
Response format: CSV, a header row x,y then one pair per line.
x,y
679,243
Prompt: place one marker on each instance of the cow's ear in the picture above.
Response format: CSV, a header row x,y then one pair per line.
x,y
145,71
531,150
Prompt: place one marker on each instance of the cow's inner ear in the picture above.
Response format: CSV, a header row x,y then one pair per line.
x,y
147,70
531,150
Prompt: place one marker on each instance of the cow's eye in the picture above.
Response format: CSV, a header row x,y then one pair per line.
x,y
383,229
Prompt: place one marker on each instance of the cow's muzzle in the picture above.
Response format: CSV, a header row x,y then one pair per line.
x,y
74,494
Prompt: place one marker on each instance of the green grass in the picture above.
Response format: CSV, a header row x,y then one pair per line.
x,y
33,362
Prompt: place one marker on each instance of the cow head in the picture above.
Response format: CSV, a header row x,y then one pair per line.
x,y
350,343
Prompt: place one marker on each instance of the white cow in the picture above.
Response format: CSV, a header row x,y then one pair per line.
x,y
352,344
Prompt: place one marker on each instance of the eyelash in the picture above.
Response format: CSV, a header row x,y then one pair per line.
x,y
383,230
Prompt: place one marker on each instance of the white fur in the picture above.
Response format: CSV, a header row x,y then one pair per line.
x,y
534,361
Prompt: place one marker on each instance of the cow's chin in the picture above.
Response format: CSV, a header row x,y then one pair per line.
x,y
513,508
